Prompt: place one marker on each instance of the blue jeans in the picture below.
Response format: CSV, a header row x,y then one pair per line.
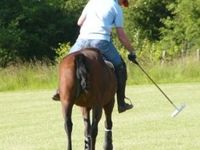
x,y
107,49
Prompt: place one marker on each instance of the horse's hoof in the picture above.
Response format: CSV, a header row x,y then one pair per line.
x,y
108,147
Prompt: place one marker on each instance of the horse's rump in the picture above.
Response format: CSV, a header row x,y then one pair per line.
x,y
87,78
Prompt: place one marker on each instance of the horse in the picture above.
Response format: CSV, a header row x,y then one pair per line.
x,y
87,81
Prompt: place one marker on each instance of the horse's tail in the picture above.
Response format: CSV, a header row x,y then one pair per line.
x,y
82,70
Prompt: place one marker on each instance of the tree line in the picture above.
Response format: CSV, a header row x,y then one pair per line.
x,y
31,30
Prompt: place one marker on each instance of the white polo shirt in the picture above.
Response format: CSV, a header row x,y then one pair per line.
x,y
101,16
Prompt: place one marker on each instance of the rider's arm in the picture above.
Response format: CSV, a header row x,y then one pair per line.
x,y
83,14
124,39
81,19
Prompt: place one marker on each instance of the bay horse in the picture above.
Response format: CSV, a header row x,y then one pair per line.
x,y
86,81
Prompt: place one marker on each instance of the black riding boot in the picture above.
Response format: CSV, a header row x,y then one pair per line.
x,y
121,74
56,96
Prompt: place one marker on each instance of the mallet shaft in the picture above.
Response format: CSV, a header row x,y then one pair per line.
x,y
156,85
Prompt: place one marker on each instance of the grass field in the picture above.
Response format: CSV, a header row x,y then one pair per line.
x,y
24,76
30,120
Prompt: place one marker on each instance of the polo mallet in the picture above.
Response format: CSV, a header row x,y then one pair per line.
x,y
178,109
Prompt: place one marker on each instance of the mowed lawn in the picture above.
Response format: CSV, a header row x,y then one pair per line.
x,y
30,120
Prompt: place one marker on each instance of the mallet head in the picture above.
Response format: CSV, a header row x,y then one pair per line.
x,y
178,110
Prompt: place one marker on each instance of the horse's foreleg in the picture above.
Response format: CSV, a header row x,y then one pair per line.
x,y
96,116
86,119
108,126
67,110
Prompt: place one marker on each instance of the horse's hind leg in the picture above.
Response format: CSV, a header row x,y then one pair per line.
x,y
108,126
67,111
96,116
86,119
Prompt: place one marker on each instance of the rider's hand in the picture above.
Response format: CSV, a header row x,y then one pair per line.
x,y
132,57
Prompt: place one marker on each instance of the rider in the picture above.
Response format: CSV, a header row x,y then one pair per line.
x,y
96,22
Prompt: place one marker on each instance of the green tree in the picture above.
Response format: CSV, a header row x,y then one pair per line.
x,y
10,34
182,30
31,30
144,18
